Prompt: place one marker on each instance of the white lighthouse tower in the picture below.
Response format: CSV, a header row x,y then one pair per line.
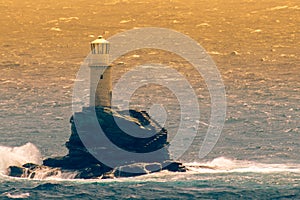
x,y
100,73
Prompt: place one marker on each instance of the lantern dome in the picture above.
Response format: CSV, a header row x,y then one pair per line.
x,y
100,46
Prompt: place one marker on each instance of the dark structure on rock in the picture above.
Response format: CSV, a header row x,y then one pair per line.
x,y
106,143
80,159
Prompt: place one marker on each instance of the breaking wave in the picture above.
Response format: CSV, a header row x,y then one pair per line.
x,y
29,153
18,156
226,165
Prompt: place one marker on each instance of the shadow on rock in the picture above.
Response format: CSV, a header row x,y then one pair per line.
x,y
131,131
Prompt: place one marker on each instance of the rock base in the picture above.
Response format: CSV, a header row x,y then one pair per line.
x,y
131,131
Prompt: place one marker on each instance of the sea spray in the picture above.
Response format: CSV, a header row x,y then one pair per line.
x,y
17,156
227,165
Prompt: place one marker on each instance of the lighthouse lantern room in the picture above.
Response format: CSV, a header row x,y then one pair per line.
x,y
100,73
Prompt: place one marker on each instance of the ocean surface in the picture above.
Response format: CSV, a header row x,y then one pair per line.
x,y
255,45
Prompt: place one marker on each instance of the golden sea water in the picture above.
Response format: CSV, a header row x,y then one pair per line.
x,y
255,45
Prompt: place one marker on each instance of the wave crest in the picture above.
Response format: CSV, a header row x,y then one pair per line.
x,y
18,156
227,165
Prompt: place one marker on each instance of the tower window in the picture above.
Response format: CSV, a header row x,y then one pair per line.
x,y
101,77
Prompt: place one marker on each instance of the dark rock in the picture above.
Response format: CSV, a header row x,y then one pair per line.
x,y
108,175
145,135
16,171
32,175
131,170
136,169
71,162
30,166
93,171
153,167
138,134
174,166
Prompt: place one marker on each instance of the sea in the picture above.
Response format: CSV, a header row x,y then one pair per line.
x,y
254,45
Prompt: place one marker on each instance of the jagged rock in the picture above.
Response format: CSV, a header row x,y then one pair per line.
x,y
30,166
93,171
174,166
16,171
138,134
108,175
145,135
71,162
130,170
153,167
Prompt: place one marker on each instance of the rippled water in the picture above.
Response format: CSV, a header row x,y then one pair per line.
x,y
229,180
254,45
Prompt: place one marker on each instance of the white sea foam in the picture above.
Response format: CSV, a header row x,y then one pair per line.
x,y
29,153
18,156
17,196
226,165
53,174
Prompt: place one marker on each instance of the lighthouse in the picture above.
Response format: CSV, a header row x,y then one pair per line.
x,y
100,73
